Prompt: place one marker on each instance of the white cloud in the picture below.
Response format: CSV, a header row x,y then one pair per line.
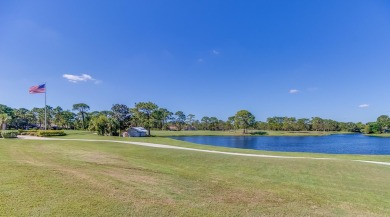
x,y
292,91
364,106
78,78
215,52
200,60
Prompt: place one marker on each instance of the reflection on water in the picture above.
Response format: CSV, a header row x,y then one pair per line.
x,y
334,144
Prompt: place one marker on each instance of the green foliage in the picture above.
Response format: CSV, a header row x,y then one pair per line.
x,y
99,124
28,132
214,124
349,127
48,133
4,118
244,119
180,119
21,118
7,134
373,127
104,126
161,117
121,114
113,126
5,109
190,119
150,116
383,122
376,128
82,108
367,129
143,114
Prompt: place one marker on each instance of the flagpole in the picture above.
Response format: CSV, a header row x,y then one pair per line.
x,y
45,106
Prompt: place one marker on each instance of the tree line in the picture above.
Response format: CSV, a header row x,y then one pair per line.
x,y
151,116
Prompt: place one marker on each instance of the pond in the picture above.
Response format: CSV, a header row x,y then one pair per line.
x,y
333,144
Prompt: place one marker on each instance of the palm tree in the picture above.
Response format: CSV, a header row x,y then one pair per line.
x,y
57,115
4,118
82,108
20,118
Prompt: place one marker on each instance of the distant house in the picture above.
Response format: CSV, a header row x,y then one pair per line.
x,y
172,128
190,128
137,132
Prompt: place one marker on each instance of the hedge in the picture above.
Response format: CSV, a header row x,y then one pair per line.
x,y
7,134
259,133
47,133
42,133
28,132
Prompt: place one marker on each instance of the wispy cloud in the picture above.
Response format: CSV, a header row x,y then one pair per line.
x,y
200,60
293,91
364,106
215,52
78,78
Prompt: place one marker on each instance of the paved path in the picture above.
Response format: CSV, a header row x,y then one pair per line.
x,y
194,149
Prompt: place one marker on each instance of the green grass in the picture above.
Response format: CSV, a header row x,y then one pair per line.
x,y
380,135
72,178
168,141
164,133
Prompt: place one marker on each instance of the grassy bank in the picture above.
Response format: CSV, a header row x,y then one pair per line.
x,y
168,141
69,178
240,133
385,135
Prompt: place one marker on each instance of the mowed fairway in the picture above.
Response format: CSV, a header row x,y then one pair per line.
x,y
74,178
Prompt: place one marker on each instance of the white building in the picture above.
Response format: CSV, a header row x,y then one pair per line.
x,y
137,132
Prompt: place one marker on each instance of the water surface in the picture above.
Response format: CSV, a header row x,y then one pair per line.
x,y
333,144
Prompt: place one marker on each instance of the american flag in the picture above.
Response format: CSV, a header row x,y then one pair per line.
x,y
37,89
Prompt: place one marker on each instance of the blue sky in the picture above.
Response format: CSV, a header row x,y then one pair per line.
x,y
273,58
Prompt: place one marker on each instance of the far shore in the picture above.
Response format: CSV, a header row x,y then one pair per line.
x,y
166,133
385,135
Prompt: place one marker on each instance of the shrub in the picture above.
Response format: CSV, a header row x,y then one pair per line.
x,y
48,133
28,132
259,133
42,133
7,134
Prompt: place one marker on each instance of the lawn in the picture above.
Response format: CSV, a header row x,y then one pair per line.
x,y
73,178
380,135
74,134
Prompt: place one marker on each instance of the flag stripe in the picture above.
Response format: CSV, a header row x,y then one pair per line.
x,y
37,89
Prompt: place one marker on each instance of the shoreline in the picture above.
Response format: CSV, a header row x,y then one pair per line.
x,y
164,146
156,133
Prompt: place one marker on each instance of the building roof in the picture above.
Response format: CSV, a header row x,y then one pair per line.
x,y
139,129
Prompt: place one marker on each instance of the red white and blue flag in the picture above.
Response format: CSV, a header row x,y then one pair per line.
x,y
37,89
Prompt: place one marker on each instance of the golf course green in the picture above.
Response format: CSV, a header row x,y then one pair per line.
x,y
105,178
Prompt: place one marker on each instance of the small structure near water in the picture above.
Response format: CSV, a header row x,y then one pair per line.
x,y
137,132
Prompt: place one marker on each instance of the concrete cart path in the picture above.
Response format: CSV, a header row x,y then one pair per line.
x,y
195,149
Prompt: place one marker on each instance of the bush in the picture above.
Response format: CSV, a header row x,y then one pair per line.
x,y
259,133
48,133
7,134
42,133
28,132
